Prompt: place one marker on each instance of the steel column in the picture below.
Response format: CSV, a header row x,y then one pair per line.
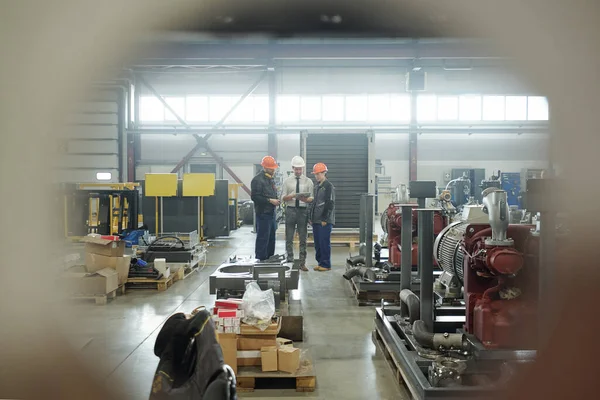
x,y
406,245
272,138
413,138
361,222
425,238
369,230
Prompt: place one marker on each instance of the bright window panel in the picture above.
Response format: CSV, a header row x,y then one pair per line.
x,y
310,108
261,108
378,106
288,108
356,108
178,105
333,108
426,108
400,108
493,108
244,112
469,108
516,108
196,108
219,106
447,108
151,109
537,108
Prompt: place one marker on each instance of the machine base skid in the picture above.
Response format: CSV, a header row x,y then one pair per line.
x,y
482,381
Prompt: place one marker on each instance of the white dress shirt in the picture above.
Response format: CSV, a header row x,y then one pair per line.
x,y
289,187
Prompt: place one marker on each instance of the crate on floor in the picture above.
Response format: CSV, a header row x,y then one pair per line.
x,y
372,298
304,380
145,283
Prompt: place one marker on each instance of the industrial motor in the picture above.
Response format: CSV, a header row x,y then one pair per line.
x,y
447,249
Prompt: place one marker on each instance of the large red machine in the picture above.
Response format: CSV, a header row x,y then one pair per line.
x,y
498,266
394,231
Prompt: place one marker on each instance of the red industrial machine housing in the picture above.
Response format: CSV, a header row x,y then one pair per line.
x,y
394,230
501,287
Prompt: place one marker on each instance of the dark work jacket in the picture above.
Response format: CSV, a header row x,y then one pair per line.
x,y
323,204
263,188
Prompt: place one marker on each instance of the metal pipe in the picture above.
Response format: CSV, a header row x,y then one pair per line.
x,y
411,302
496,207
369,231
406,254
438,341
425,238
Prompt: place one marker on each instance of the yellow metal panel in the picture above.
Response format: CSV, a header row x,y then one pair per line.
x,y
161,185
198,185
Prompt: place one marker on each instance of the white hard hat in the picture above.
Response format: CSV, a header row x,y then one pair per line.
x,y
298,162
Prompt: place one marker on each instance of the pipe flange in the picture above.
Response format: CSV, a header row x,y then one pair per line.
x,y
446,372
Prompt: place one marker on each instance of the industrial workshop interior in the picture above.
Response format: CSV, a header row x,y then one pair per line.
x,y
320,217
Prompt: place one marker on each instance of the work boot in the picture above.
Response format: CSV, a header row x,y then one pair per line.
x,y
321,269
317,267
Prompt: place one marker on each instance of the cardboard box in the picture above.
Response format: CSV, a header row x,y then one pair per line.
x,y
99,282
104,247
228,342
249,358
268,357
288,359
96,262
256,342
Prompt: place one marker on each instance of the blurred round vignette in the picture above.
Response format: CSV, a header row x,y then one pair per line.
x,y
52,50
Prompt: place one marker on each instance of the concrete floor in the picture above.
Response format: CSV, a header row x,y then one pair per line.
x,y
337,331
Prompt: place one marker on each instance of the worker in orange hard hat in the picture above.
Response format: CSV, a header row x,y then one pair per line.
x,y
322,217
266,201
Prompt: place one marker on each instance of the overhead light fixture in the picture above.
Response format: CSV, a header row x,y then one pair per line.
x,y
103,176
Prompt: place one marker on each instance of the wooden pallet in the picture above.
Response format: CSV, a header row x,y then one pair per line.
x,y
366,298
251,378
101,299
144,283
389,358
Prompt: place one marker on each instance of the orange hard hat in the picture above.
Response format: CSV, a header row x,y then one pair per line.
x,y
319,167
269,162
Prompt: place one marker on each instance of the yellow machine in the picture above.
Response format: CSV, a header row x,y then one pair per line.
x,y
102,208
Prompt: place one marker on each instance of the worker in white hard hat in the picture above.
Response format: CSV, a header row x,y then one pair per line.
x,y
296,194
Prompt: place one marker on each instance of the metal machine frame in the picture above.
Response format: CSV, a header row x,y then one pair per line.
x,y
486,371
252,270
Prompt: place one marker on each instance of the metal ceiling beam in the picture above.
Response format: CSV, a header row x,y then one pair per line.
x,y
202,140
165,55
510,129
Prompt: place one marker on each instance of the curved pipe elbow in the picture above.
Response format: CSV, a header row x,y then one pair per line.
x,y
413,304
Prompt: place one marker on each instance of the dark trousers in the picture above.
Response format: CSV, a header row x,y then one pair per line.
x,y
265,235
322,238
296,218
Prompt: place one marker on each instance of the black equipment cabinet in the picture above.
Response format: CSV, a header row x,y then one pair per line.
x,y
216,211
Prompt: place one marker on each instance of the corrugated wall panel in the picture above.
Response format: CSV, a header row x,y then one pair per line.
x,y
91,118
82,175
102,132
100,162
347,159
90,141
98,106
92,147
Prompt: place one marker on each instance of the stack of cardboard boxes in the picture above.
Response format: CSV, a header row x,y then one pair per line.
x,y
244,345
106,267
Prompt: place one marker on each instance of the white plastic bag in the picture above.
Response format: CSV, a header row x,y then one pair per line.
x,y
258,306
